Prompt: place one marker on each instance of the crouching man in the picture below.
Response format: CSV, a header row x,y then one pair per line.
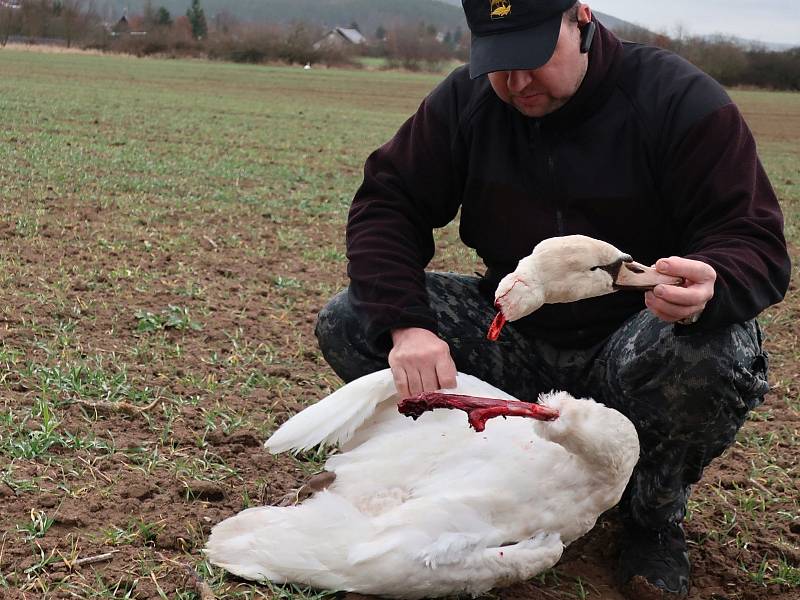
x,y
556,127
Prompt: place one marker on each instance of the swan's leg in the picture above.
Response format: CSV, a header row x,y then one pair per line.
x,y
525,559
481,569
450,549
317,483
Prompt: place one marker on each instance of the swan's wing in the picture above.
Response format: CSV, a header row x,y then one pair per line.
x,y
334,419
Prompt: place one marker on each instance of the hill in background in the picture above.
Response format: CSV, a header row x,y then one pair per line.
x,y
445,15
368,14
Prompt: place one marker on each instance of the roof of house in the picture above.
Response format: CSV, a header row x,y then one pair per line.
x,y
351,35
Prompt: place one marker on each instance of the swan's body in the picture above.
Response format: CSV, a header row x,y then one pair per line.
x,y
430,507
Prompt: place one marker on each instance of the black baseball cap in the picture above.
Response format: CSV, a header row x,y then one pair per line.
x,y
512,34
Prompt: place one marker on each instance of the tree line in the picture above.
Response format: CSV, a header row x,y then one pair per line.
x,y
223,37
727,61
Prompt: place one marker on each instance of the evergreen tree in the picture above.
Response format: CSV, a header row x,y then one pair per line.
x,y
197,19
163,17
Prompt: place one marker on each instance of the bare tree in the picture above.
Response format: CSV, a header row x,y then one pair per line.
x,y
71,17
148,15
413,47
224,22
36,17
298,44
9,23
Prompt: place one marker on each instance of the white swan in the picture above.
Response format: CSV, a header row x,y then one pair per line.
x,y
429,507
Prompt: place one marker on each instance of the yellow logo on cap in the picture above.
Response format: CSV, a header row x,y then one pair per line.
x,y
499,8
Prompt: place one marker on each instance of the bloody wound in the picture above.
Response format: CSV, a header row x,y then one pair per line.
x,y
479,410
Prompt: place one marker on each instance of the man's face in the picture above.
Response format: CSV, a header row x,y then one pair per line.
x,y
539,92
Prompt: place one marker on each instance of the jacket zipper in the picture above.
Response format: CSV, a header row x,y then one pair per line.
x,y
551,173
559,213
555,189
544,143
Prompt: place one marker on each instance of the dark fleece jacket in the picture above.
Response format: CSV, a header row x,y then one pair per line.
x,y
650,155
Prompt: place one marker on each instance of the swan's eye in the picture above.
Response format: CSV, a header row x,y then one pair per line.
x,y
612,269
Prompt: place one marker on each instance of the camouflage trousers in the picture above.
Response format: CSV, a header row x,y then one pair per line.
x,y
687,395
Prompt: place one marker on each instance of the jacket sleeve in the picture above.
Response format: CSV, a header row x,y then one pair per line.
x,y
726,214
410,187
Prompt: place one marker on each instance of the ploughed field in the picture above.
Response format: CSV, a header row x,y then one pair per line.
x,y
169,230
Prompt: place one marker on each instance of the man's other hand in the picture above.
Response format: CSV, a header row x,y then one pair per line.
x,y
420,361
673,303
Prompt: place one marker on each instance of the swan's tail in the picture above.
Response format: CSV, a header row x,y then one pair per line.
x,y
301,544
334,419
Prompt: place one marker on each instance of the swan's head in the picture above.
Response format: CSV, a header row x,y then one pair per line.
x,y
566,269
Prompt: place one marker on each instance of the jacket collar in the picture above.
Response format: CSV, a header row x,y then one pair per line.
x,y
605,58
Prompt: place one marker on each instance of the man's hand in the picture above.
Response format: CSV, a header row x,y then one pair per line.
x,y
420,362
672,303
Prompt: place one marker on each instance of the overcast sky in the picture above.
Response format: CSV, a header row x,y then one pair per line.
x,y
766,20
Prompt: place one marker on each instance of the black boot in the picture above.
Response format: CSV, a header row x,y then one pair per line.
x,y
653,564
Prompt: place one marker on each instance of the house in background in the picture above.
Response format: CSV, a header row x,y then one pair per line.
x,y
341,37
123,28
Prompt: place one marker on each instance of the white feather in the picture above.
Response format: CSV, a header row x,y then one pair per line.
x,y
429,507
333,420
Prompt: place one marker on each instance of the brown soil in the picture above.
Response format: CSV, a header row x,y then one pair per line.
x,y
88,492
